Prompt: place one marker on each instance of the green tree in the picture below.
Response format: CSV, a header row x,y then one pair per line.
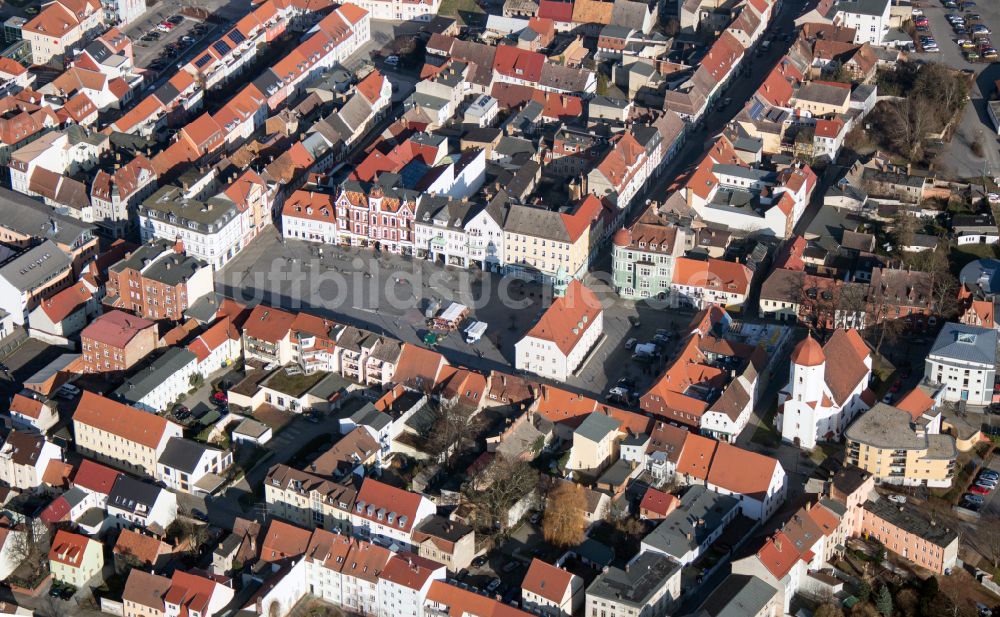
x,y
883,602
864,591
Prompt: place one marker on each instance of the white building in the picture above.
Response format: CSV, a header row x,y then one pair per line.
x,y
213,230
963,359
826,389
649,586
404,582
24,457
566,333
156,387
401,10
30,411
484,231
187,466
869,18
134,503
551,591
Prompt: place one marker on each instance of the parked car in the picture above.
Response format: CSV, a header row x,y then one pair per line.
x,y
392,60
973,498
979,490
480,561
629,344
493,585
989,473
176,19
220,397
897,498
199,515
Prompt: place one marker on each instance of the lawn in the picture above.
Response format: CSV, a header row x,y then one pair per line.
x,y
468,11
961,255
823,451
294,385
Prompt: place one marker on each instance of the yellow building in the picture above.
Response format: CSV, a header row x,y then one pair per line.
x,y
539,241
120,435
60,26
902,445
75,559
308,500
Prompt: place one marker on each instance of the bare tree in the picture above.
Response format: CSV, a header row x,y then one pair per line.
x,y
502,484
852,306
904,228
906,123
451,427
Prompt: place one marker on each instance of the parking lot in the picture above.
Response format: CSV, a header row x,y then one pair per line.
x,y
958,158
161,49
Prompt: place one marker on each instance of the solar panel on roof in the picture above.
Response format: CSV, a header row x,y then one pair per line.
x,y
236,37
222,47
202,61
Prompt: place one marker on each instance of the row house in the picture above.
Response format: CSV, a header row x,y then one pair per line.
x,y
644,255
804,546
367,358
116,341
624,170
213,230
217,347
401,10
60,26
29,276
339,35
116,195
377,214
308,500
121,435
358,576
183,593
14,77
62,152
699,283
158,281
267,335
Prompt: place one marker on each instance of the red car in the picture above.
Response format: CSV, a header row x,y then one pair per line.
x,y
979,490
220,397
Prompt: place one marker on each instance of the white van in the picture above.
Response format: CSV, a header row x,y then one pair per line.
x,y
475,331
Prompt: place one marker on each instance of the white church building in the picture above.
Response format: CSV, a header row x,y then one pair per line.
x,y
826,390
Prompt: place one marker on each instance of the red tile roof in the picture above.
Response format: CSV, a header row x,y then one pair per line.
x,y
742,471
409,570
568,318
546,580
284,541
267,323
658,502
68,548
95,477
26,406
129,423
779,555
518,63
556,10
696,456
66,302
377,501
115,328
136,545
464,603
